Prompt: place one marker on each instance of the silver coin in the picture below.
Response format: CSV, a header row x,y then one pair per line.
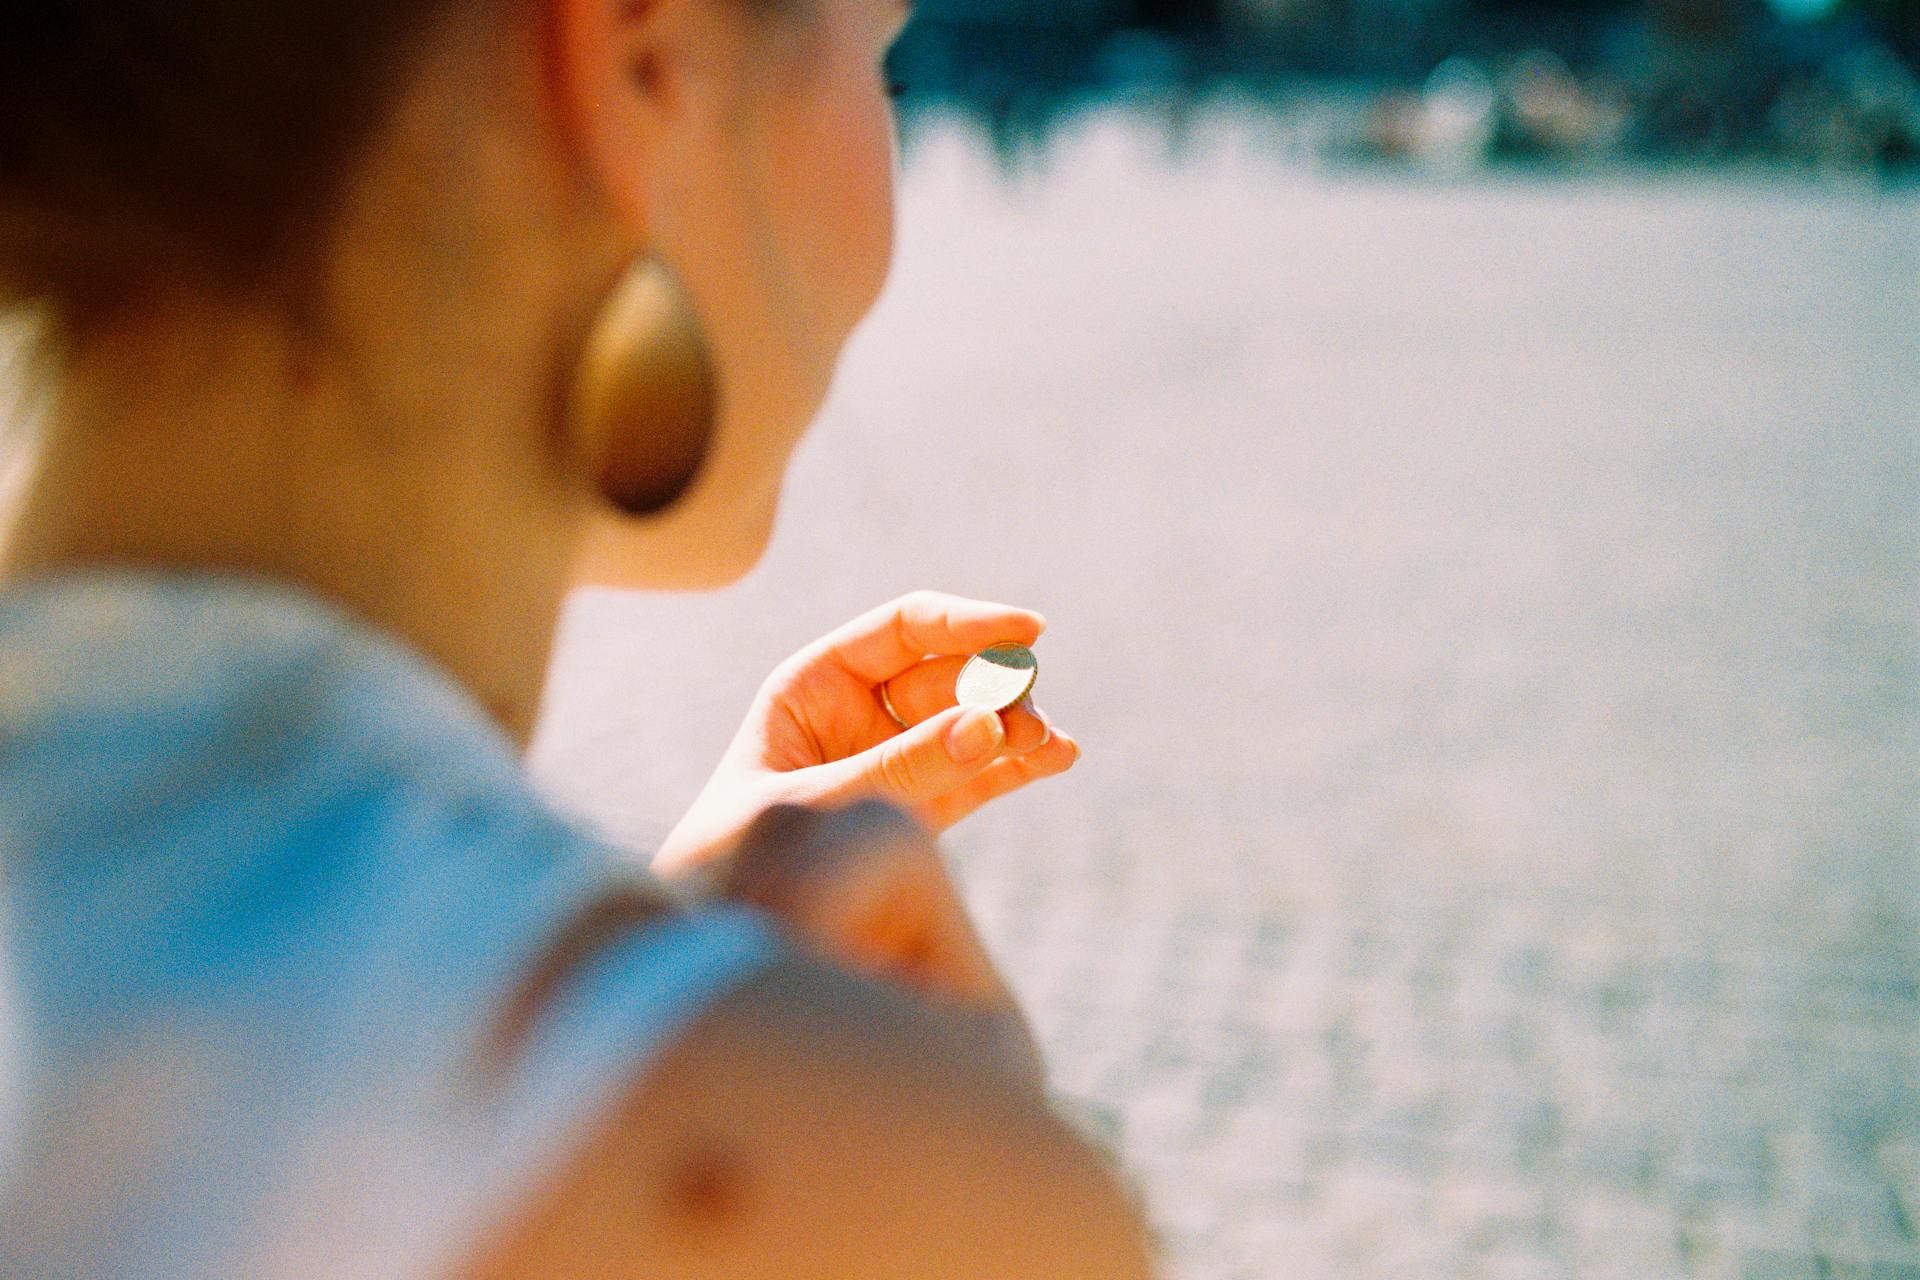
x,y
996,678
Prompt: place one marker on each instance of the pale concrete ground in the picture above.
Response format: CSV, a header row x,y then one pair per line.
x,y
1491,613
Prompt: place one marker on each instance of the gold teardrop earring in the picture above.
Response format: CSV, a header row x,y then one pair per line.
x,y
645,404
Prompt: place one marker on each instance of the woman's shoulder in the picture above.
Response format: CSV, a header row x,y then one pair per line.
x,y
231,717
215,667
271,884
196,751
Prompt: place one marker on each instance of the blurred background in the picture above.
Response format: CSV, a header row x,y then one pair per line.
x,y
1468,454
1810,84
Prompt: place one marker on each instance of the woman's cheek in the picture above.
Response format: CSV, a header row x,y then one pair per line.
x,y
876,187
843,173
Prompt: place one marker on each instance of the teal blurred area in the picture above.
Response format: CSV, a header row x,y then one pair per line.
x,y
1820,84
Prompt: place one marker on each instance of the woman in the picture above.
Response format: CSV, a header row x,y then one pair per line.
x,y
348,374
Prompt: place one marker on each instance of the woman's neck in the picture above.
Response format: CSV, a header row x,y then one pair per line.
x,y
176,448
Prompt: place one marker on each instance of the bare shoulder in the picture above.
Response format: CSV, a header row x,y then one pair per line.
x,y
814,1123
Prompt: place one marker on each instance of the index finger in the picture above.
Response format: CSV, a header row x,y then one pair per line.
x,y
885,641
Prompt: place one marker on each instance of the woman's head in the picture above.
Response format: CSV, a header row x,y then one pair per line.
x,y
428,196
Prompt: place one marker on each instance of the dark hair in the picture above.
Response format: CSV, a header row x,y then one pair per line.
x,y
205,141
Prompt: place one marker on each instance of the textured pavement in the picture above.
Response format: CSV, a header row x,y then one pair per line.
x,y
1491,613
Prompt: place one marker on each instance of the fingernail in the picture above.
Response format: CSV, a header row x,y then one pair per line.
x,y
974,736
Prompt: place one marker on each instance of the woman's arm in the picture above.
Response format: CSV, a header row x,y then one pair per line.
x,y
817,1125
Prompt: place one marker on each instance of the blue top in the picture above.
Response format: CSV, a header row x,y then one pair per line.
x,y
267,878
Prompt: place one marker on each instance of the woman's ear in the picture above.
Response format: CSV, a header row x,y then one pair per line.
x,y
608,72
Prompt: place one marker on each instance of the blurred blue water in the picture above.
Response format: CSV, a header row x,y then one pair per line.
x,y
1676,82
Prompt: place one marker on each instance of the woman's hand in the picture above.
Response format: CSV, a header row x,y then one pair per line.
x,y
818,734
867,886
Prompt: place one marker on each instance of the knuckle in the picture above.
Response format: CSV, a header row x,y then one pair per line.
x,y
785,674
1020,771
921,599
906,617
899,773
1058,762
1018,774
917,610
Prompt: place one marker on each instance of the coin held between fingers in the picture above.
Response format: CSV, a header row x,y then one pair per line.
x,y
997,677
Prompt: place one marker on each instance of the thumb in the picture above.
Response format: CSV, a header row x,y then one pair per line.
x,y
921,764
